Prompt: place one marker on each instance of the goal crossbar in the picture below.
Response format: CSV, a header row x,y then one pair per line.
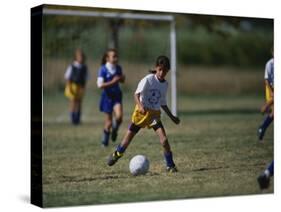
x,y
108,14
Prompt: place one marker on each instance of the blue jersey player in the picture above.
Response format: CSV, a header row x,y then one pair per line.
x,y
109,76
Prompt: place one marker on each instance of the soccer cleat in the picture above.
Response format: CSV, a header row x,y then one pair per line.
x,y
113,158
260,134
114,135
171,169
263,181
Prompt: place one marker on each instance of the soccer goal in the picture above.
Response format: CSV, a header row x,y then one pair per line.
x,y
169,19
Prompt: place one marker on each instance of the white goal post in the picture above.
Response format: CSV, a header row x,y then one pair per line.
x,y
153,17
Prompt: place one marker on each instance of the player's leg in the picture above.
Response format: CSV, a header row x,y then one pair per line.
x,y
72,111
79,104
106,129
265,124
106,106
168,155
264,178
69,94
77,110
269,115
121,148
118,112
270,169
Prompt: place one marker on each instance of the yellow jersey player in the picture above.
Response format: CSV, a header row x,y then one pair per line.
x,y
76,76
150,97
269,94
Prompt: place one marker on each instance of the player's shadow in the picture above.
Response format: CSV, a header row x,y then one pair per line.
x,y
209,168
103,177
201,169
232,111
83,179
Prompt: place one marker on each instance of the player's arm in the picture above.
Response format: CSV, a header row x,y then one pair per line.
x,y
139,104
175,119
141,87
101,84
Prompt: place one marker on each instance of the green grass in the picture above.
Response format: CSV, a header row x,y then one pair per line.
x,y
215,148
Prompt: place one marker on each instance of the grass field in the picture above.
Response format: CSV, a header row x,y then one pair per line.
x,y
215,148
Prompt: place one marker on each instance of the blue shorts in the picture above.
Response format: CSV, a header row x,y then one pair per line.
x,y
107,103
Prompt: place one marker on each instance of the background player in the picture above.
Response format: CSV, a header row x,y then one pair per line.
x,y
150,96
269,93
76,76
109,76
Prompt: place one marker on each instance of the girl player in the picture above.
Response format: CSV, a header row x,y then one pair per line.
x,y
269,94
109,77
150,96
76,76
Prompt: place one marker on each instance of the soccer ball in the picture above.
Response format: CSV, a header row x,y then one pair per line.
x,y
139,165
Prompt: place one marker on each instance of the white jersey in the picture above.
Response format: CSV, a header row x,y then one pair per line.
x,y
269,72
152,92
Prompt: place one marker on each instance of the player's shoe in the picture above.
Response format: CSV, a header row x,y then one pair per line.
x,y
113,158
171,169
114,135
263,181
261,133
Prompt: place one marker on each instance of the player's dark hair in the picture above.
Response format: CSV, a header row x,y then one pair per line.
x,y
105,55
161,61
79,51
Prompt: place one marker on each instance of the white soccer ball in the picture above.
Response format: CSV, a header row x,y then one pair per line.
x,y
139,165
